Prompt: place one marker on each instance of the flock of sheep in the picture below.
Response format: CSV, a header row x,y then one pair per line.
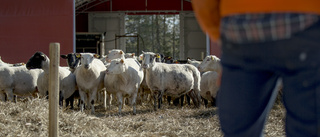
x,y
93,79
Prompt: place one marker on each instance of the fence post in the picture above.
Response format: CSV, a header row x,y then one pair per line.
x,y
54,89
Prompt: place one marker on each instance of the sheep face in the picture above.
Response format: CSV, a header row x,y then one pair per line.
x,y
129,55
36,60
208,62
73,60
149,59
86,59
117,66
115,54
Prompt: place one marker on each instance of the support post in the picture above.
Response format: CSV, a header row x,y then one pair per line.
x,y
54,89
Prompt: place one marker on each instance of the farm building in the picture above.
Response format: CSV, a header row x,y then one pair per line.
x,y
99,26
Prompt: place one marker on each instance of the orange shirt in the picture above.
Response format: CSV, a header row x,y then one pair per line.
x,y
209,12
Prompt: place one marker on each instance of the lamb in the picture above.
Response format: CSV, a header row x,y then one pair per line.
x,y
89,78
67,83
123,78
171,79
18,81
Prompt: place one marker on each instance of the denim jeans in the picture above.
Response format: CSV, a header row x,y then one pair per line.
x,y
250,72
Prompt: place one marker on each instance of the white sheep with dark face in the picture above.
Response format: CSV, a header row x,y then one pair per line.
x,y
171,79
67,83
89,77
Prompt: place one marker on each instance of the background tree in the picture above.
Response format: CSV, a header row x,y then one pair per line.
x,y
157,33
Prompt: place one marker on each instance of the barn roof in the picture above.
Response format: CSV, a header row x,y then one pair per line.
x,y
133,6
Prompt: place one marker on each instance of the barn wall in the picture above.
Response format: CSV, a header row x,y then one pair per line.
x,y
27,26
215,49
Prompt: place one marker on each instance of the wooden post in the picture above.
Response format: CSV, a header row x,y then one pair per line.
x,y
54,89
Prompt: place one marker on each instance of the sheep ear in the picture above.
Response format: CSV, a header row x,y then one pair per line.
x,y
158,56
212,58
121,52
43,57
141,57
96,55
78,55
133,54
122,61
64,56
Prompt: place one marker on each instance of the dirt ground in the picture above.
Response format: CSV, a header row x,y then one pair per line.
x,y
29,117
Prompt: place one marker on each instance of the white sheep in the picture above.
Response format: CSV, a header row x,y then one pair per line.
x,y
18,81
209,87
67,83
123,78
210,63
193,62
115,54
211,68
119,54
171,79
130,55
89,77
2,63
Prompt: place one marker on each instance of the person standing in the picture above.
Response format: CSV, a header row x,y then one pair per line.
x,y
262,41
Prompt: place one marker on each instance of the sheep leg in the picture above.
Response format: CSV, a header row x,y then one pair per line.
x,y
160,95
108,97
182,100
70,101
9,93
93,96
61,99
2,96
120,102
155,99
213,102
133,102
83,97
169,100
188,99
205,102
104,95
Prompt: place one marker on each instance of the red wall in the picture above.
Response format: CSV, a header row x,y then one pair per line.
x,y
215,49
27,26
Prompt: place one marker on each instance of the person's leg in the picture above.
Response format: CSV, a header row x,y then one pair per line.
x,y
301,91
244,100
301,95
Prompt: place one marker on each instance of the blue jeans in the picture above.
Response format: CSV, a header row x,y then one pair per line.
x,y
250,72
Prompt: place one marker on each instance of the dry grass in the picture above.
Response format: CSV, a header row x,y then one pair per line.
x,y
30,118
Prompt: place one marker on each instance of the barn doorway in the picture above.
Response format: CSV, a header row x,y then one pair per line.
x,y
156,33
